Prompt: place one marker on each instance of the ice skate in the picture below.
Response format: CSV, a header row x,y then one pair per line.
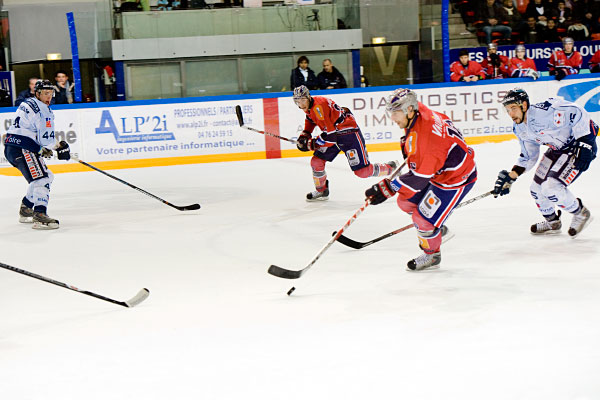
x,y
319,196
25,214
393,165
425,261
43,221
447,234
580,220
547,227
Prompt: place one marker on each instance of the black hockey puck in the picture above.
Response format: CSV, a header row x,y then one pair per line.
x,y
291,291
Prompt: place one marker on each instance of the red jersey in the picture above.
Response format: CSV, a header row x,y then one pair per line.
x,y
595,60
571,63
459,71
492,72
330,118
519,68
436,154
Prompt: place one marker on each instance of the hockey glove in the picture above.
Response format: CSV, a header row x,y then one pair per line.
x,y
533,74
304,142
46,153
503,183
584,154
380,192
560,74
63,152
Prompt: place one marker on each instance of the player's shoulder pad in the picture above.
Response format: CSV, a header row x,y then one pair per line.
x,y
32,104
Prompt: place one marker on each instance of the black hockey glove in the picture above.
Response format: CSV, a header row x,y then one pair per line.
x,y
560,74
380,192
63,152
503,183
304,142
495,58
46,153
584,154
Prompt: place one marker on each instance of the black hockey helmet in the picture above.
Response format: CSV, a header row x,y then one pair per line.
x,y
43,84
515,96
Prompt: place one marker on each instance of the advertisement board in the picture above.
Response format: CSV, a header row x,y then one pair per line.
x,y
180,131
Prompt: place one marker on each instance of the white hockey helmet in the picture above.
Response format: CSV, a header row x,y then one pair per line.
x,y
520,47
401,99
301,92
567,40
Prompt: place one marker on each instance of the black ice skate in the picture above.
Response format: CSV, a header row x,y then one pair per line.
x,y
547,227
43,221
425,261
580,220
319,196
25,214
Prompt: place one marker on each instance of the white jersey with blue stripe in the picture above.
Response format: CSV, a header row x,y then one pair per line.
x,y
555,123
33,126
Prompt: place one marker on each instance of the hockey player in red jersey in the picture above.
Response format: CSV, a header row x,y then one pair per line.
x,y
340,132
495,66
465,70
520,66
441,172
565,62
594,62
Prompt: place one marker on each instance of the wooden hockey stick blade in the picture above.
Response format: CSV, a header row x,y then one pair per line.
x,y
138,298
284,273
240,116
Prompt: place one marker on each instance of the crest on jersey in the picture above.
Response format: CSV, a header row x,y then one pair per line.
x,y
559,118
48,123
319,112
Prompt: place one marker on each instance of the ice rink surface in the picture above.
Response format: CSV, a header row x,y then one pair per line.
x,y
508,316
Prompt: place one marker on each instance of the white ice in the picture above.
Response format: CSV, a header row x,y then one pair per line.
x,y
508,316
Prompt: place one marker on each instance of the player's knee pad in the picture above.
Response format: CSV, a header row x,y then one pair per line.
x,y
421,223
317,164
535,190
553,189
365,172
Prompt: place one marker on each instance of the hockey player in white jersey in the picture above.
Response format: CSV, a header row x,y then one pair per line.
x,y
570,134
29,139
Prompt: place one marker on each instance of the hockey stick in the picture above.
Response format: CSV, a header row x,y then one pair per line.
x,y
180,208
291,274
240,117
359,245
134,301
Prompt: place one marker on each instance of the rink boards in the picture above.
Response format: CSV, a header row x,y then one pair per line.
x,y
199,130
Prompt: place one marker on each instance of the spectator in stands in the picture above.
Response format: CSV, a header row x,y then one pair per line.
x,y
578,31
495,66
493,16
303,75
578,9
465,7
563,15
63,90
331,77
539,11
29,92
594,62
550,34
534,32
515,19
465,70
565,62
521,66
